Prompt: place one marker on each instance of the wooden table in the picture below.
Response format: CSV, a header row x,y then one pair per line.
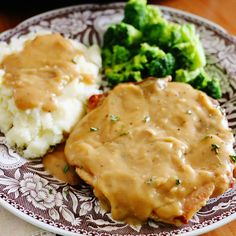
x,y
221,12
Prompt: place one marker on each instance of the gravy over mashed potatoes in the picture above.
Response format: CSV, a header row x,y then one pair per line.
x,y
157,150
45,81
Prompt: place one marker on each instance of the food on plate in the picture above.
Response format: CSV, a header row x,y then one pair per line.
x,y
145,44
45,82
56,164
155,149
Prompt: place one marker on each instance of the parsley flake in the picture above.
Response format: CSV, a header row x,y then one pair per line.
x,y
66,169
189,112
215,148
146,119
93,129
149,181
124,133
50,191
114,118
233,158
177,182
74,60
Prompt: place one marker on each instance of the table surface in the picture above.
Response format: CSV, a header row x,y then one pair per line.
x,y
221,12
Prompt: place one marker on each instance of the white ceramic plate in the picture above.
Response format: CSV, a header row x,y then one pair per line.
x,y
32,194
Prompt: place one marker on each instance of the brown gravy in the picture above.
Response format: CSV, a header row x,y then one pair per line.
x,y
55,163
40,71
155,149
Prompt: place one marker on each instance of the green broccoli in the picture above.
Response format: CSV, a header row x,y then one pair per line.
x,y
145,44
199,79
187,48
160,34
122,73
117,54
159,63
162,67
153,15
121,34
149,61
138,14
213,89
181,41
135,13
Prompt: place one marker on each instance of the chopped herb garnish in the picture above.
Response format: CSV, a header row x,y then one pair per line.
x,y
149,181
93,129
50,191
189,112
124,133
177,182
215,148
66,168
66,192
74,60
233,158
146,119
208,136
114,118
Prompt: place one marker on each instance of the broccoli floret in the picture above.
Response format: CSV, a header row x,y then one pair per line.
x,y
149,61
121,34
185,76
122,73
139,62
151,52
158,63
153,15
199,79
135,13
118,54
213,89
187,48
159,34
181,41
138,14
162,67
106,57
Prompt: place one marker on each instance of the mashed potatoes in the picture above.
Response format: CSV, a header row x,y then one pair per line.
x,y
33,131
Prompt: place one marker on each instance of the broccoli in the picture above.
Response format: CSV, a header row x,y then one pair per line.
x,y
181,41
153,15
213,89
187,48
151,52
135,13
145,44
199,79
118,54
162,67
149,61
121,34
122,73
159,64
160,34
138,14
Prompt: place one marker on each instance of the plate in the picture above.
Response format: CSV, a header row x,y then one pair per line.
x,y
33,195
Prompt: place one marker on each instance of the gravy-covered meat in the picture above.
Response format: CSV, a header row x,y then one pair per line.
x,y
157,150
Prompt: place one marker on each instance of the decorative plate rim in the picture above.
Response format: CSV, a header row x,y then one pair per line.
x,y
209,22
57,230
